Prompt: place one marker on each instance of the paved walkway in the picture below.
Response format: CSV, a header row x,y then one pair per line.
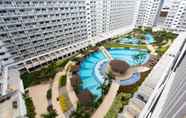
x,y
106,53
167,44
152,50
131,71
71,93
38,94
107,102
55,95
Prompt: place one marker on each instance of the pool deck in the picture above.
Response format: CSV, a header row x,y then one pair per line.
x,y
131,71
106,53
109,98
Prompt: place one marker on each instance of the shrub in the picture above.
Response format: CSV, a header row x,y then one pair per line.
x,y
62,63
51,114
64,103
119,102
30,107
148,29
43,74
81,112
49,94
62,81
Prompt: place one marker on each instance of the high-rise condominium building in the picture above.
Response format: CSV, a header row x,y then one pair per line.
x,y
33,32
148,12
162,17
176,19
115,14
29,28
168,99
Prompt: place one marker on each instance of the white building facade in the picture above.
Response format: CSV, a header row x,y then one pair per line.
x,y
34,32
114,14
148,12
176,19
30,28
168,99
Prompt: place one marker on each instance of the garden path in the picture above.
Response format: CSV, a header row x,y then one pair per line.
x,y
38,94
107,102
55,95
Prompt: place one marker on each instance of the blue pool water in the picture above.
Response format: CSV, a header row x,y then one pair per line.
x,y
149,38
87,68
128,41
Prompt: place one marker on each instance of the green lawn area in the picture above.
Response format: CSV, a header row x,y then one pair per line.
x,y
120,101
117,45
124,94
43,74
62,81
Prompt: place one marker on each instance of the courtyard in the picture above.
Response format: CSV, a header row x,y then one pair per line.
x,y
87,75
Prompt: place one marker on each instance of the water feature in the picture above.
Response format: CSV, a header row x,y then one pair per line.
x,y
129,41
90,68
149,38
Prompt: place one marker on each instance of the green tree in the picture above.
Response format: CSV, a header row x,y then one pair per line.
x,y
49,94
148,29
30,107
50,114
80,112
139,57
106,84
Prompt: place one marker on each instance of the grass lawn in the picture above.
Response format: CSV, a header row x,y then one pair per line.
x,y
43,74
62,81
124,94
116,45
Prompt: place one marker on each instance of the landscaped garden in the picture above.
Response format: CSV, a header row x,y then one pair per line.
x,y
91,79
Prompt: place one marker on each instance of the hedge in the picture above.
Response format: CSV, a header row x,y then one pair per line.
x,y
30,107
49,94
62,81
44,74
117,106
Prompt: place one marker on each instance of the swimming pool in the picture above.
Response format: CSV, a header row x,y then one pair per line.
x,y
149,38
88,69
129,41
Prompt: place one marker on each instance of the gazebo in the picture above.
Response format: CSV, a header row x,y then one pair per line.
x,y
118,67
75,80
85,97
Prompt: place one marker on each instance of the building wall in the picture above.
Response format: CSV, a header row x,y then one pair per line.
x,y
114,14
29,27
148,12
172,103
5,59
176,20
122,13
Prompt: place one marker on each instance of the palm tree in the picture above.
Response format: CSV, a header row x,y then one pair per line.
x,y
139,57
106,84
50,114
80,112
